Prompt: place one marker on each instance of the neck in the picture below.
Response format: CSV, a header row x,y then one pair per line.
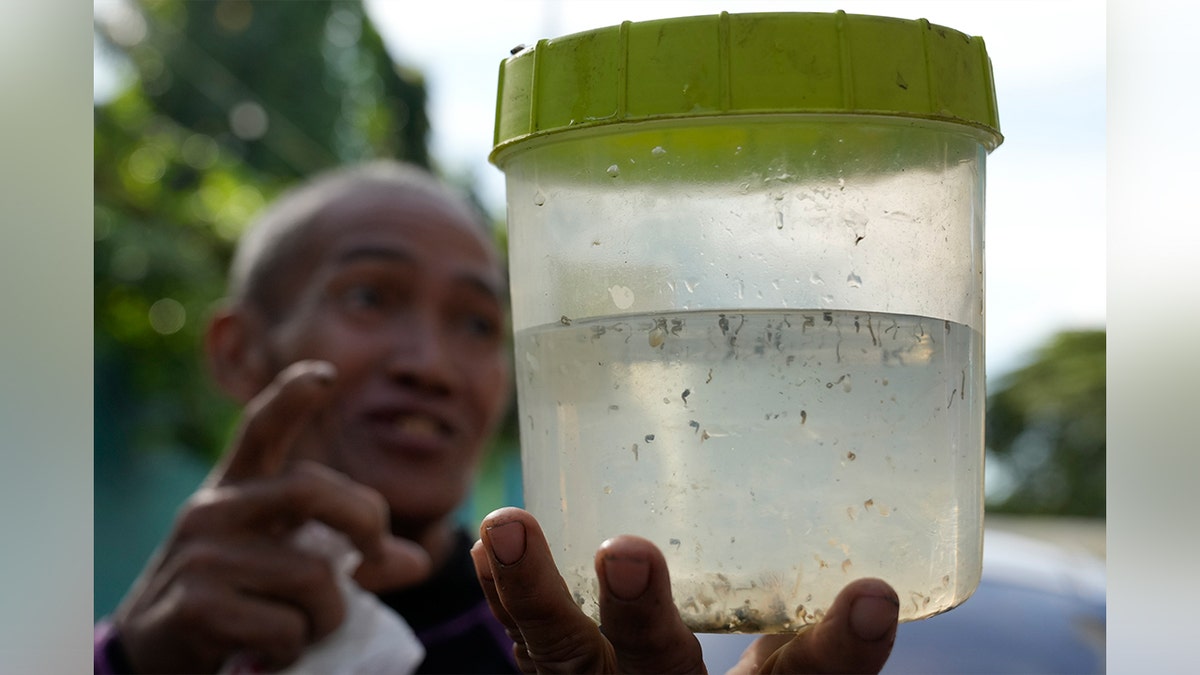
x,y
436,538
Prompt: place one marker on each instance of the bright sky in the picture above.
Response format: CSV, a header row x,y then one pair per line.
x,y
1046,183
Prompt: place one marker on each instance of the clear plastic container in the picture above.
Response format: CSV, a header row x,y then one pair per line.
x,y
750,333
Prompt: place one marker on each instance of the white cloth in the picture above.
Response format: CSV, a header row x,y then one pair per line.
x,y
371,639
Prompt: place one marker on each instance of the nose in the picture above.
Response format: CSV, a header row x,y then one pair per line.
x,y
420,356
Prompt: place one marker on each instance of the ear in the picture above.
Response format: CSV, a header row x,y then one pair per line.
x,y
236,346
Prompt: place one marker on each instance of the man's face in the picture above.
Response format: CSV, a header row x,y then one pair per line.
x,y
404,296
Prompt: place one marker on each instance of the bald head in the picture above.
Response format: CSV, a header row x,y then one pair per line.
x,y
272,254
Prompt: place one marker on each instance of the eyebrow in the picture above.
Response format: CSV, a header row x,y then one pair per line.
x,y
484,285
369,252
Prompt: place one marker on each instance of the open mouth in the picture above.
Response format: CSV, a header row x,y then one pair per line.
x,y
412,427
420,426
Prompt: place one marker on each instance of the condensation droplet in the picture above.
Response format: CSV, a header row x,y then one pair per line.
x,y
658,151
539,198
608,489
816,279
854,280
827,299
778,220
614,171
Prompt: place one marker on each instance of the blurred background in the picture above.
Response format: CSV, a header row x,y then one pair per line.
x,y
203,111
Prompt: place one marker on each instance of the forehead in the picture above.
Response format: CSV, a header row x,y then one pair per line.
x,y
421,229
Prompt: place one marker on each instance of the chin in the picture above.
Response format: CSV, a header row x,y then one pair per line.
x,y
421,502
418,491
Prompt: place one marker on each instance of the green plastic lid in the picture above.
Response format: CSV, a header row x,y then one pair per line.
x,y
734,64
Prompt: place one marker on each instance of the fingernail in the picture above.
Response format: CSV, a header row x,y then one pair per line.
x,y
872,617
508,541
627,577
323,371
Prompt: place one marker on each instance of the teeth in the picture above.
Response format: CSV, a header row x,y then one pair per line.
x,y
418,425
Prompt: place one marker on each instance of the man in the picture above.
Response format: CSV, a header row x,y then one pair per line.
x,y
364,332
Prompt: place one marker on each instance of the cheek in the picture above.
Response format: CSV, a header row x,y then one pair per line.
x,y
350,351
490,388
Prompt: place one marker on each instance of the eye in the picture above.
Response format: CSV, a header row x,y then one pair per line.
x,y
483,326
367,298
478,323
363,296
371,291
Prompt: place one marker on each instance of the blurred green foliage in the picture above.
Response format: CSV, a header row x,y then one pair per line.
x,y
1046,429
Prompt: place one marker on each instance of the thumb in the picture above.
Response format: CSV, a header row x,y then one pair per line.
x,y
403,563
855,636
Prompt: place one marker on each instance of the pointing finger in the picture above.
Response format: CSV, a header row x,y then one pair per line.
x,y
274,420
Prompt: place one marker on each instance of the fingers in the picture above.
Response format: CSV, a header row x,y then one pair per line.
x,y
403,564
270,574
529,596
233,557
311,491
277,505
274,419
273,422
231,579
210,601
271,634
637,613
481,557
856,636
642,631
758,652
